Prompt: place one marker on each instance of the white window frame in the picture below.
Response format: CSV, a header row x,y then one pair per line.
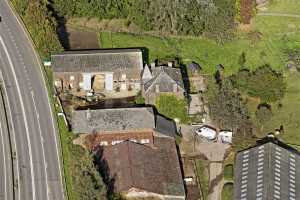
x,y
103,143
145,141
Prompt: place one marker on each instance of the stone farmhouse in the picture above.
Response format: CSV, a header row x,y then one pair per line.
x,y
116,125
106,71
161,80
137,147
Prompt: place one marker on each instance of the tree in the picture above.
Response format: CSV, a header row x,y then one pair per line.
x,y
227,108
264,82
87,184
263,114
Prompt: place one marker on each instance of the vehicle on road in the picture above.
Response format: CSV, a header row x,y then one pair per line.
x,y
207,132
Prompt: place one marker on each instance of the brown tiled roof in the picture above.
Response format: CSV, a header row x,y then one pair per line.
x,y
155,170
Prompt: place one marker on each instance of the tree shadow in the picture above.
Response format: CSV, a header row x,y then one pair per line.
x,y
104,170
62,33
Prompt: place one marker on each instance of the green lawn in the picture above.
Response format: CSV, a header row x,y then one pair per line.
x,y
227,192
288,115
228,172
276,35
202,172
284,6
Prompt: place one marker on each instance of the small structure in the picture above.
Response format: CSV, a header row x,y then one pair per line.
x,y
207,132
194,67
267,171
141,172
226,136
105,71
113,126
162,80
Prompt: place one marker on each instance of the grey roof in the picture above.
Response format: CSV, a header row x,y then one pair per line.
x,y
165,126
98,60
164,76
266,172
117,119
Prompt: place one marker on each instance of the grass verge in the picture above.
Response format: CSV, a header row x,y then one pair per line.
x,y
203,177
227,192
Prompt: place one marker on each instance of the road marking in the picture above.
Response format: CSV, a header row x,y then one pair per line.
x,y
43,149
46,89
13,130
4,160
24,118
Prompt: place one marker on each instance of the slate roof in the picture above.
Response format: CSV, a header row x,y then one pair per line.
x,y
155,170
165,126
111,60
164,76
116,119
268,171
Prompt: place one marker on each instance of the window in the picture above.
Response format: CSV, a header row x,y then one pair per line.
x,y
103,143
116,142
72,78
145,141
123,76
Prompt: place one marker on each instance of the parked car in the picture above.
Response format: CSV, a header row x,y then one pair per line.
x,y
226,136
207,132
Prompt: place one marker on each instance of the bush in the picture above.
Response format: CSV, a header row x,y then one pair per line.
x,y
263,113
228,172
139,99
227,192
264,83
40,24
172,107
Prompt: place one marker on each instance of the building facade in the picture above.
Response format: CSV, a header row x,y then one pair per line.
x,y
98,71
161,80
113,126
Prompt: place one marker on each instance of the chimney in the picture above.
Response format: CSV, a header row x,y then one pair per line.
x,y
152,65
88,114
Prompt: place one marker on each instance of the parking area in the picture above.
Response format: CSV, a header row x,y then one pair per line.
x,y
214,151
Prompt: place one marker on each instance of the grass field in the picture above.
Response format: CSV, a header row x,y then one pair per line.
x,y
270,38
284,6
288,115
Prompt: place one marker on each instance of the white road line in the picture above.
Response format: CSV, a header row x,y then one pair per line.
x,y
43,149
24,118
14,139
4,161
46,89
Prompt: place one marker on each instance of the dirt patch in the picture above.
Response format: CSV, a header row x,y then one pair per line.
x,y
75,39
112,25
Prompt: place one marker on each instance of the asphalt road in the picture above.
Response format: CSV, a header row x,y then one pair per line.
x,y
37,168
6,169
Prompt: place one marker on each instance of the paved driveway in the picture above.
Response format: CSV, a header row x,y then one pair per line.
x,y
193,145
